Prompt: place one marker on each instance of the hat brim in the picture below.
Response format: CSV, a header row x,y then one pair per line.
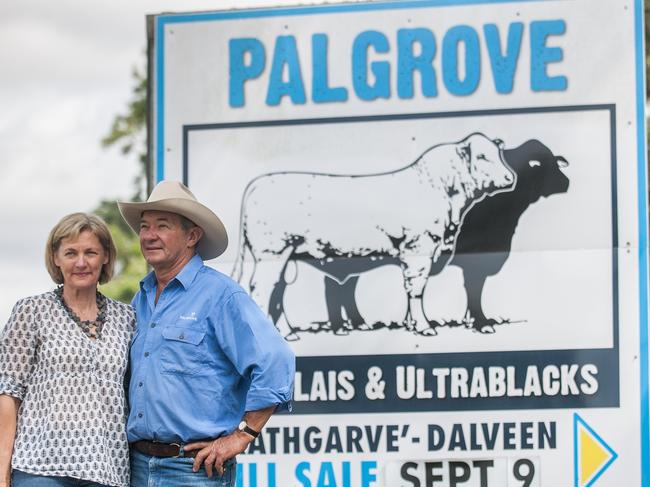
x,y
215,238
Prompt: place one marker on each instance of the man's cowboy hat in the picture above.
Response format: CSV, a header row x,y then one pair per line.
x,y
175,197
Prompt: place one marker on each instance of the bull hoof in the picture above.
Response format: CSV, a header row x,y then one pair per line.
x,y
364,327
292,337
428,332
488,329
341,332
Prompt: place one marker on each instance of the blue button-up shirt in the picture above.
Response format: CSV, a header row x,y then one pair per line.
x,y
201,357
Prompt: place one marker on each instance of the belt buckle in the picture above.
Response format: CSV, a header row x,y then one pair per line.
x,y
180,449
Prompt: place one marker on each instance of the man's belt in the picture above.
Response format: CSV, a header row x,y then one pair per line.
x,y
155,449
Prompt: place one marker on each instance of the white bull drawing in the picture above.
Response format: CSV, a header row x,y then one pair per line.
x,y
347,224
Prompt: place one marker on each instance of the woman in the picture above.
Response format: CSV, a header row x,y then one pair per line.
x,y
63,357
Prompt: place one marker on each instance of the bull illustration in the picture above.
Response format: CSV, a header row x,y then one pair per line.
x,y
347,224
485,238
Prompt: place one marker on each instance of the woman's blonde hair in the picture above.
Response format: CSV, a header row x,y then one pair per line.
x,y
71,226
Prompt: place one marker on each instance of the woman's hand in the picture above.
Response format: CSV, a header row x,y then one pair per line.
x,y
5,479
8,413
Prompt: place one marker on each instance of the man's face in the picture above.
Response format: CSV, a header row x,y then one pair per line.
x,y
163,240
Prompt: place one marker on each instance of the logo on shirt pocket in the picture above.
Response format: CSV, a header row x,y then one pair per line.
x,y
182,350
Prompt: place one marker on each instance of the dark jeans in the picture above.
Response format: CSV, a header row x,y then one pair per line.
x,y
24,479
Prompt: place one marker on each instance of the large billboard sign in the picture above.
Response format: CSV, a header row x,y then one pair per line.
x,y
441,205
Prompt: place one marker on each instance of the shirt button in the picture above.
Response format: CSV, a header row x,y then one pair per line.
x,y
139,384
146,354
181,337
139,415
153,325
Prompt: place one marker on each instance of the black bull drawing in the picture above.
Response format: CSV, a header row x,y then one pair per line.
x,y
457,204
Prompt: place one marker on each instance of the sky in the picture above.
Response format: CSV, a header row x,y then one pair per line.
x,y
65,72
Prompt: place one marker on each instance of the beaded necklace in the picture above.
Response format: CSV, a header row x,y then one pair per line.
x,y
91,328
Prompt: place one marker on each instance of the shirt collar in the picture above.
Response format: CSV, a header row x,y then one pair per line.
x,y
148,282
184,277
189,272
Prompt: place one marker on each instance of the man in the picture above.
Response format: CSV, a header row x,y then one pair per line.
x,y
208,369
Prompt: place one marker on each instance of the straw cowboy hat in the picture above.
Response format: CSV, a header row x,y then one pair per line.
x,y
175,197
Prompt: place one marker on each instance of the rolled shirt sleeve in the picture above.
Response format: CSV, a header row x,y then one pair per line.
x,y
18,350
258,352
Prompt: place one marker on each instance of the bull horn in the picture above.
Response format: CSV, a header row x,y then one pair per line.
x,y
561,161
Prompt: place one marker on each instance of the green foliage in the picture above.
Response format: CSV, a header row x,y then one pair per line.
x,y
109,211
128,132
131,267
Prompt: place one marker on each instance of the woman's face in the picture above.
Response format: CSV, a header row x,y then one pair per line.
x,y
81,260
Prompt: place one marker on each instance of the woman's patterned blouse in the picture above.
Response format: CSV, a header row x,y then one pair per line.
x,y
72,418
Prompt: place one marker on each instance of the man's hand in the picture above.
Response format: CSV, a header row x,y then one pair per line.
x,y
215,453
218,451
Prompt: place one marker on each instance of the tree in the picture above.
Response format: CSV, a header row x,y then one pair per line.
x,y
131,267
128,131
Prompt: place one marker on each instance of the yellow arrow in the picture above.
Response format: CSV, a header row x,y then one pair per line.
x,y
592,456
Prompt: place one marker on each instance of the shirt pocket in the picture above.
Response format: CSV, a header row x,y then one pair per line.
x,y
183,350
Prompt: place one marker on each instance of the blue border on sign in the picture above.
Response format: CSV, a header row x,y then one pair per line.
x,y
642,175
